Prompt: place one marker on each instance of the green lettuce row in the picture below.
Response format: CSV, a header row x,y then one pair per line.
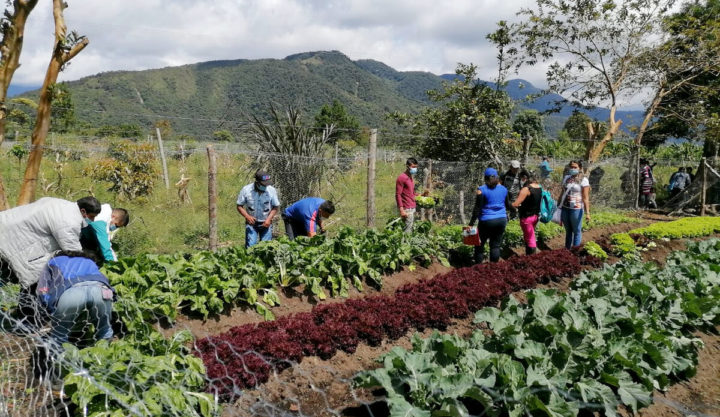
x,y
620,333
686,227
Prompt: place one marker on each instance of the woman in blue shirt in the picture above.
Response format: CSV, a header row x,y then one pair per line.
x,y
491,203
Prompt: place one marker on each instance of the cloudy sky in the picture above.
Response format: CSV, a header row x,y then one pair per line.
x,y
425,35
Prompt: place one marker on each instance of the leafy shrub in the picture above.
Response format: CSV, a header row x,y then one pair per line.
x,y
622,243
686,227
129,167
593,249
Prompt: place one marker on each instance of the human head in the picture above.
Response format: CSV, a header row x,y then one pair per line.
x,y
524,176
514,165
491,177
262,179
89,207
327,208
120,217
544,158
681,169
688,170
411,165
81,254
575,165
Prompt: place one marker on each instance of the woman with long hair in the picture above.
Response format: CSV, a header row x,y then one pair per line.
x,y
528,205
491,202
574,202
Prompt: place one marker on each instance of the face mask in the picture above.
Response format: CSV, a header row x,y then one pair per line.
x,y
112,228
574,171
323,218
413,171
262,187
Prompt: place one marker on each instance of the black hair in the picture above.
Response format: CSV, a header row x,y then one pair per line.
x,y
124,215
85,253
91,205
531,177
688,169
328,207
681,169
492,180
411,161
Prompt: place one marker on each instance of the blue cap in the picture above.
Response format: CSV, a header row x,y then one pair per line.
x,y
491,172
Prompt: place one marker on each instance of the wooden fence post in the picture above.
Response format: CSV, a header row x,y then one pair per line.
x,y
212,198
162,158
462,207
703,196
372,154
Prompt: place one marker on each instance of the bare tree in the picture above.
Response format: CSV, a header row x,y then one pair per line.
x,y
12,30
67,46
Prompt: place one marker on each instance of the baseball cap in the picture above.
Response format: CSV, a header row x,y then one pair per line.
x,y
263,178
491,172
515,163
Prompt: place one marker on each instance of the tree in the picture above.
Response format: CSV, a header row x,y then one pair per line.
x,y
293,153
528,125
12,30
63,109
66,47
468,124
592,47
345,125
222,136
129,167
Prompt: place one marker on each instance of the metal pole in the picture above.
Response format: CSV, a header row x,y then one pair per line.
x,y
372,154
703,196
212,198
162,158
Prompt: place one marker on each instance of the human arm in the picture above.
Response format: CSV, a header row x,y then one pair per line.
x,y
586,201
311,223
270,217
479,201
248,218
524,192
399,187
103,240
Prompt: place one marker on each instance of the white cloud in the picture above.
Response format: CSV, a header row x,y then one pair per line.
x,y
424,35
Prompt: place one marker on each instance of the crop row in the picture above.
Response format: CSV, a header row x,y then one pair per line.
x,y
621,332
686,227
245,356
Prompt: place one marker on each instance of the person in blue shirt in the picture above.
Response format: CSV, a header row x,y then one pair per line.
x,y
491,210
545,169
96,236
303,217
258,203
75,294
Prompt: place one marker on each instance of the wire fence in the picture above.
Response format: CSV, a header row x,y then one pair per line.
x,y
175,220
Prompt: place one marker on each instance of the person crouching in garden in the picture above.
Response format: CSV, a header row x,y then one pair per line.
x,y
528,205
574,201
491,203
76,294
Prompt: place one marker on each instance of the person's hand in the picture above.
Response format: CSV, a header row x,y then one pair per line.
x,y
403,214
426,193
251,220
587,217
267,223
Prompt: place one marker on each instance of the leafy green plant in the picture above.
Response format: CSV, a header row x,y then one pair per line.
x,y
129,168
687,227
593,249
622,244
154,377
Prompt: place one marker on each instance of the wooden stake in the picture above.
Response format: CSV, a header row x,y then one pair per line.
x,y
462,207
162,158
372,154
212,198
703,196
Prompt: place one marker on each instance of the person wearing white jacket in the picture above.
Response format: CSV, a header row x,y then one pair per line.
x,y
31,234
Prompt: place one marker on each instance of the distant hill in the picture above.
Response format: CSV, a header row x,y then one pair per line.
x,y
201,98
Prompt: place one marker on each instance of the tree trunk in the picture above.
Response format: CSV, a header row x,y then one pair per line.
x,y
593,147
10,49
527,142
61,55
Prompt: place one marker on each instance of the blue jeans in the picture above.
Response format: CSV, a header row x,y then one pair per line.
x,y
572,220
78,306
255,233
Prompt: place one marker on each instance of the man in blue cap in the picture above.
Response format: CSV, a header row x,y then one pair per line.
x,y
258,203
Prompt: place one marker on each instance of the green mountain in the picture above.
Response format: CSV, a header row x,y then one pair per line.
x,y
201,98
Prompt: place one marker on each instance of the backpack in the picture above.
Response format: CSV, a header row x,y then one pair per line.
x,y
547,207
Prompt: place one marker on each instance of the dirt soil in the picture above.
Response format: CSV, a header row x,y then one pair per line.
x,y
317,387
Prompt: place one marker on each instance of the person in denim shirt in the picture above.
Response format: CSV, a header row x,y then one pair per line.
x,y
258,203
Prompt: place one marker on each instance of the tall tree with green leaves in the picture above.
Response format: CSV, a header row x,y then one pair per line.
x,y
529,126
62,116
345,125
469,123
592,48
